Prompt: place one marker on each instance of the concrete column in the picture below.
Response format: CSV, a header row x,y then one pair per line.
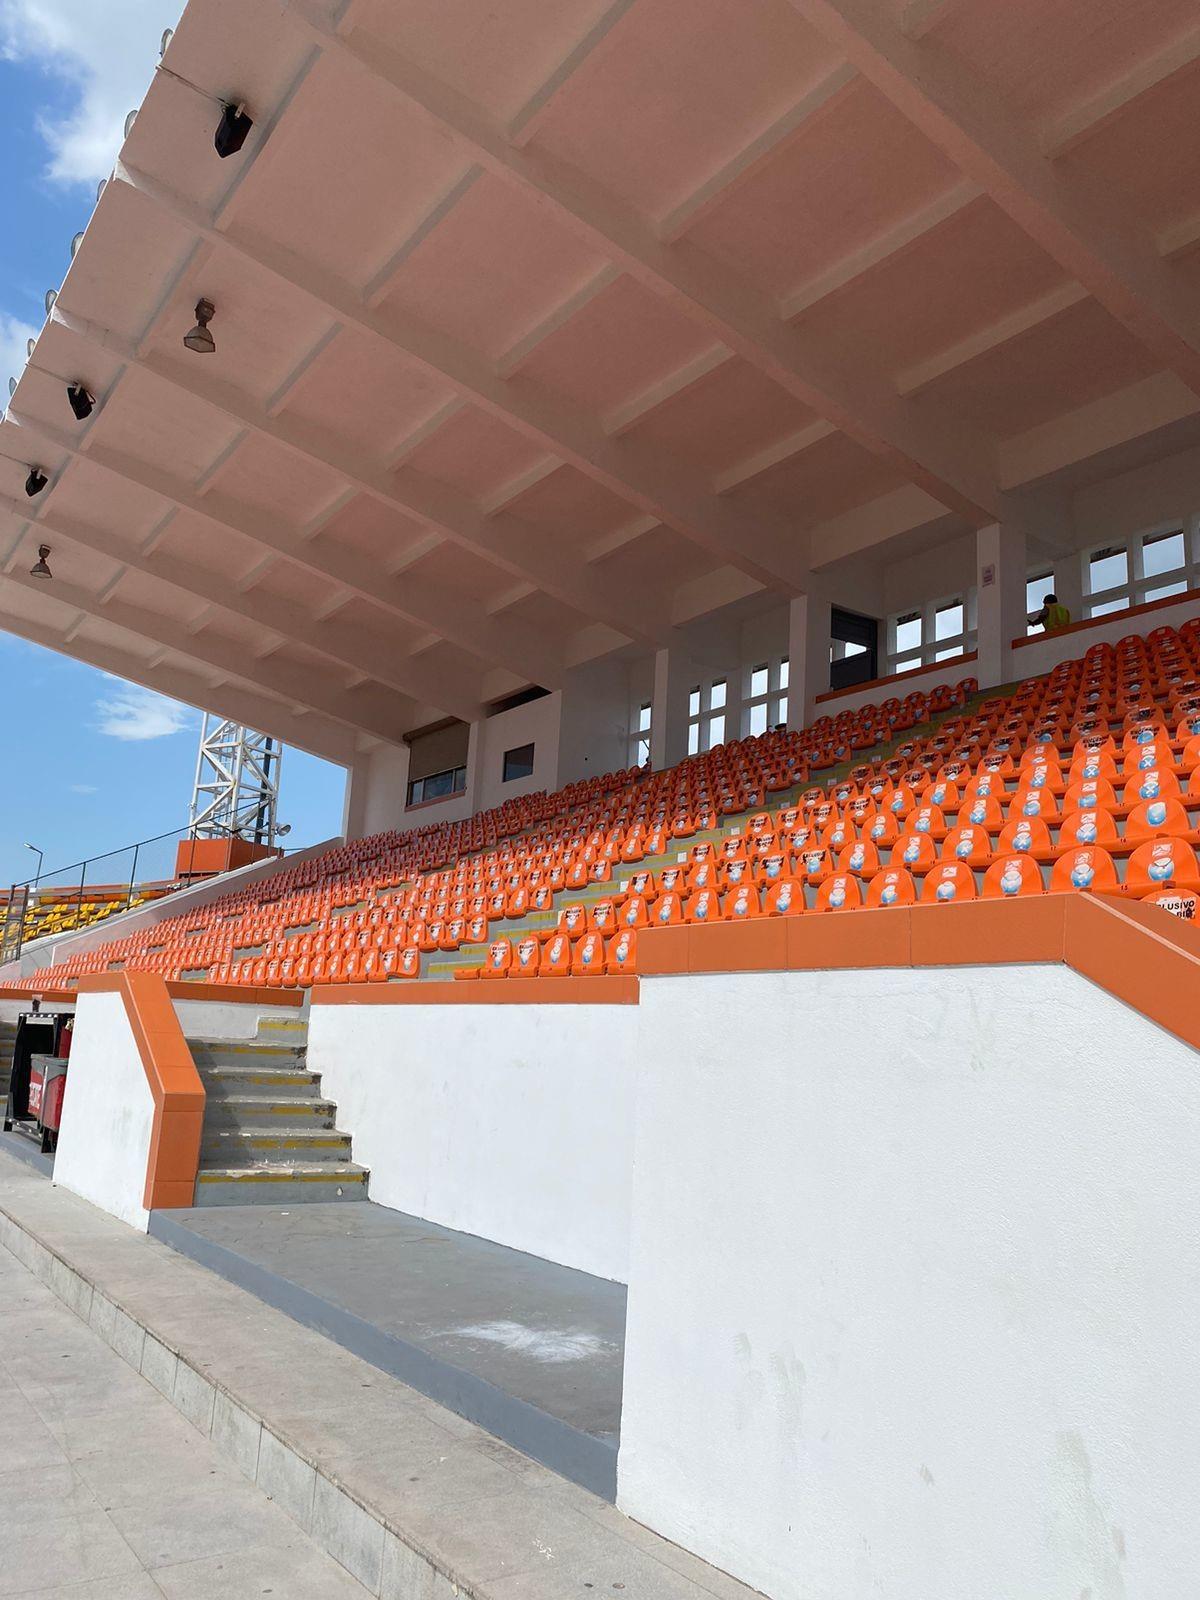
x,y
674,677
475,768
1068,583
808,656
354,799
1001,614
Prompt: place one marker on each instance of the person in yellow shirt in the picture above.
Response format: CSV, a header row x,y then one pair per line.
x,y
1052,616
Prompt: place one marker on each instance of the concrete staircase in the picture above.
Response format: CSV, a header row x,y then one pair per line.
x,y
269,1137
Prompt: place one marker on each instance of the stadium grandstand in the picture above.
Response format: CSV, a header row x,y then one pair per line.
x,y
724,481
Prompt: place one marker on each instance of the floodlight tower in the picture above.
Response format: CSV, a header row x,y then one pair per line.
x,y
237,783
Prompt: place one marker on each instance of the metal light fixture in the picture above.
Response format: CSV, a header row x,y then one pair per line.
x,y
199,339
40,569
35,482
40,855
232,129
81,402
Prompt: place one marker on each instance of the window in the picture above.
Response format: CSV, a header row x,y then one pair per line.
x,y
639,739
938,632
706,715
1166,591
1163,552
766,702
949,622
518,763
908,634
1108,569
437,786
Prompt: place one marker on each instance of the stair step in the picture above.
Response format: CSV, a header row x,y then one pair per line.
x,y
263,1082
224,1050
280,1185
259,1146
250,1110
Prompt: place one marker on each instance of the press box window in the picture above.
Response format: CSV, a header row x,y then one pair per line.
x,y
518,763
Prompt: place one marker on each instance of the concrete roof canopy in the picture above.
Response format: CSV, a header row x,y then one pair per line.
x,y
542,330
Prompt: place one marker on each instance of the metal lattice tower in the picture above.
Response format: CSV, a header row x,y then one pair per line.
x,y
237,783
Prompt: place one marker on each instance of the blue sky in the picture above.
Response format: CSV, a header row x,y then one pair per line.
x,y
102,763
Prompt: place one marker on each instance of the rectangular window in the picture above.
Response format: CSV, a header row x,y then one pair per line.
x,y
758,719
1105,608
759,678
948,655
716,695
1165,590
644,719
518,763
908,663
783,673
716,732
781,708
949,621
908,634
693,738
437,786
694,702
1162,552
1108,569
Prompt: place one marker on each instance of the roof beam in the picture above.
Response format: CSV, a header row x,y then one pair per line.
x,y
920,17
938,453
532,114
518,354
417,600
994,337
383,715
1099,109
320,738
822,96
772,455
764,546
1075,223
350,647
909,231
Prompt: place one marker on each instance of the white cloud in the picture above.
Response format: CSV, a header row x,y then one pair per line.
x,y
14,335
105,50
84,788
135,713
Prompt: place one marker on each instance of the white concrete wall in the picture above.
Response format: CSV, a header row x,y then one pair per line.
x,y
108,1113
596,718
535,723
512,1122
912,1286
214,1019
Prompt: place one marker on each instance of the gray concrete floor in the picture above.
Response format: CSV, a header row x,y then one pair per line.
x,y
108,1494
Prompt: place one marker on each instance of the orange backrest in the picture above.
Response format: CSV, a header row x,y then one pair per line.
x,y
741,903
839,893
1150,785
603,917
1084,867
861,856
703,906
1087,828
1095,764
554,960
967,844
621,952
1012,876
785,899
634,912
668,909
573,921
1034,803
1147,757
914,851
1153,817
498,960
406,963
894,886
949,880
1162,861
981,811
525,958
1091,794
837,832
771,868
882,830
1024,836
587,956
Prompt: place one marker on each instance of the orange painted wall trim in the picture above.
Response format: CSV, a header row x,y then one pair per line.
x,y
174,1083
53,996
1138,953
234,993
618,990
